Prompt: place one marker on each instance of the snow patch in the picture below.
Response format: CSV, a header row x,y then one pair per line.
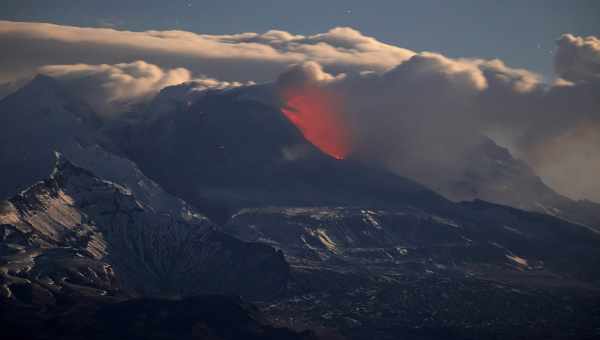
x,y
445,221
513,230
321,235
402,251
518,260
369,218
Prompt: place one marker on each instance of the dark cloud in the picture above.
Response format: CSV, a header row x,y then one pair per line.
x,y
578,58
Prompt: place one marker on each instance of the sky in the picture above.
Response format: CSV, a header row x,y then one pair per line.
x,y
521,33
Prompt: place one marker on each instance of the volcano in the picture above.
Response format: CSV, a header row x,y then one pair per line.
x,y
226,193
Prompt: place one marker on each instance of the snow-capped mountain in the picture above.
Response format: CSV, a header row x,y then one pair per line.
x,y
77,232
490,173
34,121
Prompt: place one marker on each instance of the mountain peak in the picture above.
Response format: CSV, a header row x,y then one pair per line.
x,y
42,79
41,85
46,94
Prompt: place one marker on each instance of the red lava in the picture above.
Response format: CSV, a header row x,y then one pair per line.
x,y
318,115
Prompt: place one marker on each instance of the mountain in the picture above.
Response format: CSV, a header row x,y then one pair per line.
x,y
34,121
77,233
217,192
44,117
490,173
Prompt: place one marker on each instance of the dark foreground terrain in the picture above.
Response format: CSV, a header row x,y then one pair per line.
x,y
211,317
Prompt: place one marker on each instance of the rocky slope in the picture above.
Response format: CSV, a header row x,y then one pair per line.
x,y
78,232
36,120
407,273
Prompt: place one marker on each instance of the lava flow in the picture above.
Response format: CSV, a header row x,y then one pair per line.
x,y
318,116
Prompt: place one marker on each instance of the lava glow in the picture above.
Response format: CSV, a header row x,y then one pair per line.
x,y
318,116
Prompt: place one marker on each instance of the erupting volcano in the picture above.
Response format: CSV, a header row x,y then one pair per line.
x,y
317,114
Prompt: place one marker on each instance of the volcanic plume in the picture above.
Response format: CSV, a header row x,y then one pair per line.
x,y
317,113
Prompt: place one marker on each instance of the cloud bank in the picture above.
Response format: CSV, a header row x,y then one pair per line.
x,y
240,57
413,112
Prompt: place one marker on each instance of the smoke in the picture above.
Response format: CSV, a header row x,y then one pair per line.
x,y
407,114
578,58
570,161
424,117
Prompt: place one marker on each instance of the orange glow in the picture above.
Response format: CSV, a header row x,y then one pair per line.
x,y
318,116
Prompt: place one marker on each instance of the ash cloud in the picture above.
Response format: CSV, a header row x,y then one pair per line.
x,y
426,115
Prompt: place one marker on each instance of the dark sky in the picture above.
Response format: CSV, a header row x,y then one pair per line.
x,y
520,32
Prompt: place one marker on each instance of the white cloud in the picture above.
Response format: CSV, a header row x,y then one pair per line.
x,y
112,88
241,57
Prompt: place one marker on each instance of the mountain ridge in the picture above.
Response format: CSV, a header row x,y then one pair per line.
x,y
85,219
